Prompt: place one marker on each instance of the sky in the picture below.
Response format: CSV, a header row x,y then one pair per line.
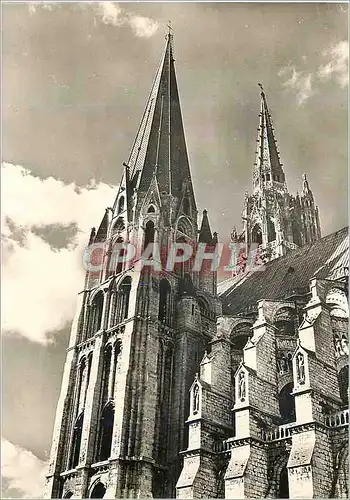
x,y
76,78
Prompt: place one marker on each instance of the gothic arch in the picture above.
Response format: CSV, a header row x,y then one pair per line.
x,y
184,226
149,236
106,431
337,300
98,489
271,230
204,306
279,484
285,320
121,205
68,494
95,312
240,334
256,235
76,441
286,403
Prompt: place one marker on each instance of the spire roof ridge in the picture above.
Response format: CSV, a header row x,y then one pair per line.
x,y
267,166
160,145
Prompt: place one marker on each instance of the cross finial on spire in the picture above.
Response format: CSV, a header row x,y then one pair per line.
x,y
169,35
261,88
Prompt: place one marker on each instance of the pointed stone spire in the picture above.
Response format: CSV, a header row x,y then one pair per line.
x,y
268,168
160,146
306,191
205,235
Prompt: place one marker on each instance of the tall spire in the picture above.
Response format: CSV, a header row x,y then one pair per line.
x,y
160,146
267,167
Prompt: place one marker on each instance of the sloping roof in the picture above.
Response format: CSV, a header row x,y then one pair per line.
x,y
286,276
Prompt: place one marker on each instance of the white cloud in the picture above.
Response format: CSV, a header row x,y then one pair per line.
x,y
22,470
143,26
299,83
110,13
337,66
40,282
305,84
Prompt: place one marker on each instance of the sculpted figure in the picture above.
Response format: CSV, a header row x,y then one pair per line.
x,y
300,369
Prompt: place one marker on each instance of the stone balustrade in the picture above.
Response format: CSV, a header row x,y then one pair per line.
x,y
339,419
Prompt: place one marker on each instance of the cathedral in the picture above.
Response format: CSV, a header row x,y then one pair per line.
x,y
179,385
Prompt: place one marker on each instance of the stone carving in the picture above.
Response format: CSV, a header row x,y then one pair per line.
x,y
344,346
300,368
241,386
195,399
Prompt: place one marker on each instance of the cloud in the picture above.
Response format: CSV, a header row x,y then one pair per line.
x,y
22,471
337,66
305,84
39,279
111,13
299,83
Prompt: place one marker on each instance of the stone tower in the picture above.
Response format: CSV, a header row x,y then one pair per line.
x,y
273,219
141,328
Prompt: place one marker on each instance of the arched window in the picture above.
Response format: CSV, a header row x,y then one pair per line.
x,y
283,486
287,404
98,491
121,204
149,234
240,341
164,296
124,293
96,309
119,253
106,371
257,234
271,232
343,379
106,431
69,494
151,209
76,441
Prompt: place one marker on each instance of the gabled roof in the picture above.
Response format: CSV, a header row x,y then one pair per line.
x,y
326,258
160,145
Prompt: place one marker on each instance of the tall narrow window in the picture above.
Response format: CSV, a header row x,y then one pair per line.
x,y
149,234
164,296
96,313
106,371
125,288
121,204
106,431
271,232
257,235
76,441
286,404
119,253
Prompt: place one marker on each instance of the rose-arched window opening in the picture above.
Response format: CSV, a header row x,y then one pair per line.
x,y
164,310
239,341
